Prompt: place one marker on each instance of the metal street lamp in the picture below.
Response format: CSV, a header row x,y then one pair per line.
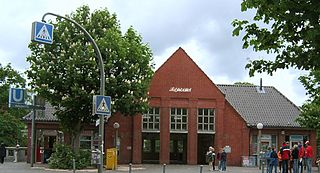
x,y
259,127
102,80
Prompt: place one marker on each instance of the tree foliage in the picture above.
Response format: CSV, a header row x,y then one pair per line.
x,y
290,30
311,109
10,118
66,73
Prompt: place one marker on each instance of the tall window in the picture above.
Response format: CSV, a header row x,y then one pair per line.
x,y
151,120
205,120
178,119
85,142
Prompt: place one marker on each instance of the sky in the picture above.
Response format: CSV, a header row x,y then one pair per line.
x,y
202,28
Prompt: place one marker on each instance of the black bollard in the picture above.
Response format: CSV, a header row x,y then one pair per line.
x,y
164,168
201,166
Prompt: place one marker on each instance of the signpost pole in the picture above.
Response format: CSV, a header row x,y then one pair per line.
x,y
102,81
33,131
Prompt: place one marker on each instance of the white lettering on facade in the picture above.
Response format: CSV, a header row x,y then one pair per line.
x,y
180,90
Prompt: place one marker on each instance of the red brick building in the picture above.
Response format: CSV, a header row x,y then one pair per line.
x,y
188,113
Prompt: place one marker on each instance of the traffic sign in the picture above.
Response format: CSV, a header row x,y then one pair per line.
x,y
101,105
17,97
42,32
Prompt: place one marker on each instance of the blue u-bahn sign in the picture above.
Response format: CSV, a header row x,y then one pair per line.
x,y
17,97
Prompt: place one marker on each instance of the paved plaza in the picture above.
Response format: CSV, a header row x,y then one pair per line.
x,y
21,167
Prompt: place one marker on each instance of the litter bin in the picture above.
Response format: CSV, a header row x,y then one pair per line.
x,y
111,161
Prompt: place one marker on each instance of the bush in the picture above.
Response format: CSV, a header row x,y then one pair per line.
x,y
62,156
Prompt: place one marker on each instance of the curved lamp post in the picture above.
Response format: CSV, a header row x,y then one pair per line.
x,y
102,80
259,127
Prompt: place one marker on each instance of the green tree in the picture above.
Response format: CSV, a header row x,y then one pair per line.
x,y
66,73
11,125
290,30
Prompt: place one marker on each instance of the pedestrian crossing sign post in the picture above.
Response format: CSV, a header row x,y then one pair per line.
x,y
42,32
101,105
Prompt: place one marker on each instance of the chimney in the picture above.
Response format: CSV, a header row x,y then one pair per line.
x,y
260,88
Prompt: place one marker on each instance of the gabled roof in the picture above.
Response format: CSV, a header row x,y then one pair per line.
x,y
46,115
268,107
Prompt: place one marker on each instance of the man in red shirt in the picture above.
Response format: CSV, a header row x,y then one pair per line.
x,y
309,154
285,156
301,157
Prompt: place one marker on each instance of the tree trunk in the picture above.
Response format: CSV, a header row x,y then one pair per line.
x,y
75,143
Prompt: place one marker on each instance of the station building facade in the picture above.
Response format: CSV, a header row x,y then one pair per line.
x,y
188,113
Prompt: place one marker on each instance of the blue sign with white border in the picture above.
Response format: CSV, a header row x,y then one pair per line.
x,y
42,32
16,97
102,105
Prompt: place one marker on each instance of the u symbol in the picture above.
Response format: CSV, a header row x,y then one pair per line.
x,y
17,95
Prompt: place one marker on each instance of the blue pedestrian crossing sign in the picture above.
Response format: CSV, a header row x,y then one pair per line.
x,y
17,97
101,105
42,32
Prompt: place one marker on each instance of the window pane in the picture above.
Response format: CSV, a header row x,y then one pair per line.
x,y
184,119
171,146
184,111
199,111
173,111
205,119
184,126
145,125
205,112
156,126
211,120
211,111
156,111
180,146
173,127
151,111
178,126
172,119
146,145
179,111
200,127
211,127
157,147
200,120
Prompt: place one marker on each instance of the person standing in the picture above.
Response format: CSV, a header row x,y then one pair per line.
x,y
295,158
301,157
3,152
219,159
211,156
273,161
279,160
223,160
285,156
309,155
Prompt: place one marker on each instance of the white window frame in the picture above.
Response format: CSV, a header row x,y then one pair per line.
x,y
177,115
151,120
206,126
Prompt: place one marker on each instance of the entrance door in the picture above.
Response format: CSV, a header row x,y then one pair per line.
x,y
178,148
204,142
150,147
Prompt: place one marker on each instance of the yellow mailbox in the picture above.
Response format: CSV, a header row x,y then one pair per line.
x,y
111,160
